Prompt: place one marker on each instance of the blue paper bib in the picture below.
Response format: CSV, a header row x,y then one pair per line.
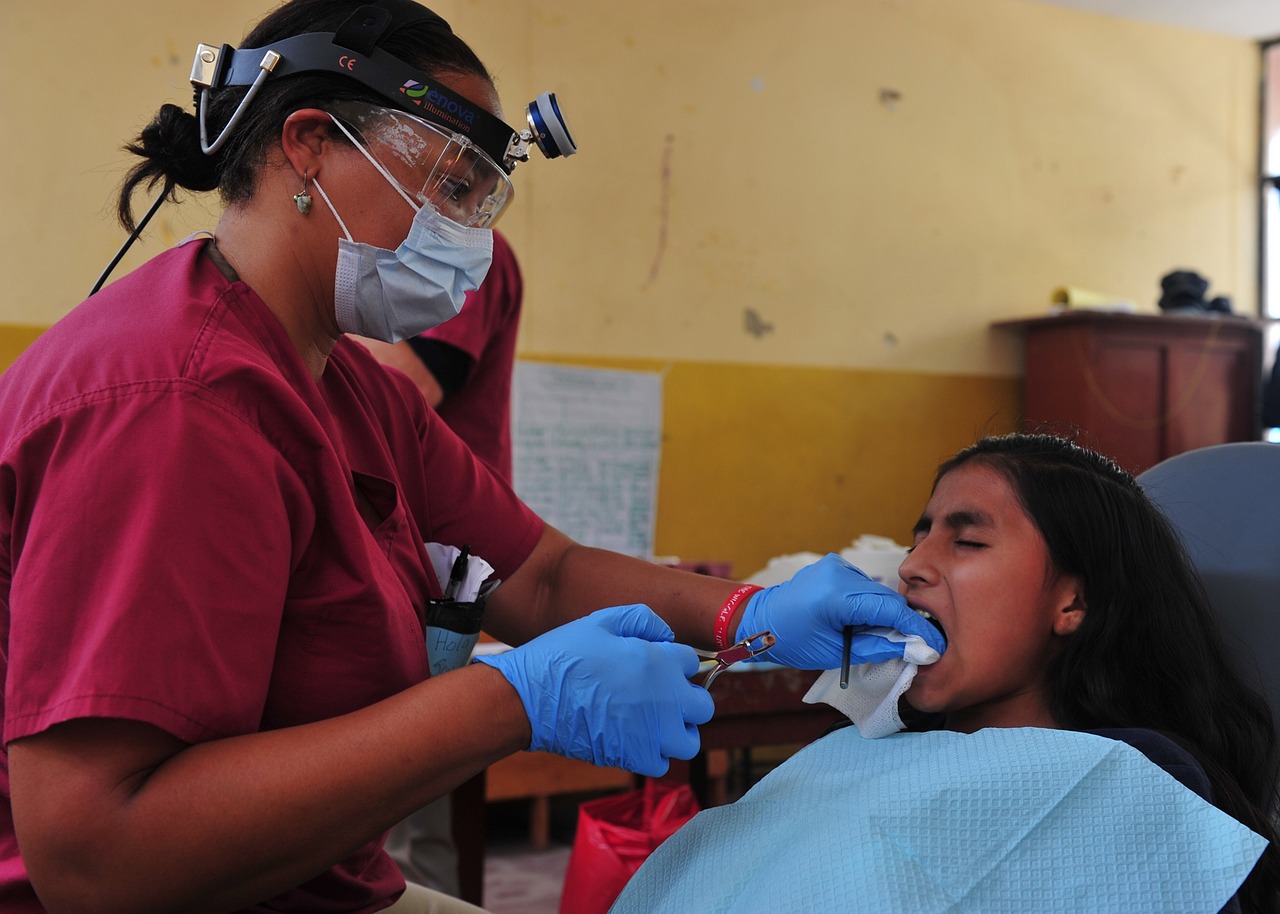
x,y
1003,820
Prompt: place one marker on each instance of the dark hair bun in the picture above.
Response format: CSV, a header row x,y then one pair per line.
x,y
171,143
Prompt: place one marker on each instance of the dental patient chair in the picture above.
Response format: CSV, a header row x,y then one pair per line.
x,y
1224,501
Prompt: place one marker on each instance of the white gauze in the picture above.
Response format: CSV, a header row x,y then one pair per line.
x,y
871,701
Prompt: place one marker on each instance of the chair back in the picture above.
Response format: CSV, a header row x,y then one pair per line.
x,y
1224,501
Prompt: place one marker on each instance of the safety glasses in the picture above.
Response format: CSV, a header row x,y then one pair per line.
x,y
428,164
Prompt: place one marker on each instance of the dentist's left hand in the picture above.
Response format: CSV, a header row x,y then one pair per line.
x,y
612,689
808,613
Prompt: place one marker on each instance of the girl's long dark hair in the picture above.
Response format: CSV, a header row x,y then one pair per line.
x,y
170,144
1148,653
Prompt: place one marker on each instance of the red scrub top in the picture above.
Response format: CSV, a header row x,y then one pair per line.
x,y
182,539
486,329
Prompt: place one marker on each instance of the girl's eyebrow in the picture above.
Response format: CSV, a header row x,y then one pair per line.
x,y
956,520
969,517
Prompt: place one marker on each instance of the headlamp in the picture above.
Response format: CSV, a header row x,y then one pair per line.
x,y
352,52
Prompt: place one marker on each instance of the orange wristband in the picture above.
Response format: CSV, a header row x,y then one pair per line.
x,y
731,605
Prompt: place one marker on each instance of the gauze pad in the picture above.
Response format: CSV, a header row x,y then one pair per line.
x,y
871,701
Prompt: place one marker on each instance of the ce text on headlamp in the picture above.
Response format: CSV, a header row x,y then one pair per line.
x,y
352,52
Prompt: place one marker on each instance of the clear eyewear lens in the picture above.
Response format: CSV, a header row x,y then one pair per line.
x,y
431,165
466,187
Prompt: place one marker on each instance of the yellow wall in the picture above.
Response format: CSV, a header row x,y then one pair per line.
x,y
874,180
736,154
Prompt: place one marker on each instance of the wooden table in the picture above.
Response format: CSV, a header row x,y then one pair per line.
x,y
760,707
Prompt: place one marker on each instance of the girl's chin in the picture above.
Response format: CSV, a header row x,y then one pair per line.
x,y
927,707
923,698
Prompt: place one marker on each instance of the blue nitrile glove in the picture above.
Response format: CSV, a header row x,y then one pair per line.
x,y
611,688
808,613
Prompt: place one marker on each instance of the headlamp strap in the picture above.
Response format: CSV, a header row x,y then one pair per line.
x,y
363,29
371,23
400,84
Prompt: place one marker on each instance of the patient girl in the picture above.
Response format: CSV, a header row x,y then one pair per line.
x,y
1068,603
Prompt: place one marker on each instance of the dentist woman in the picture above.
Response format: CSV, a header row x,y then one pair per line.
x,y
213,510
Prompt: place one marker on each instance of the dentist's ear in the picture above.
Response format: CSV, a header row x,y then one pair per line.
x,y
304,139
1071,613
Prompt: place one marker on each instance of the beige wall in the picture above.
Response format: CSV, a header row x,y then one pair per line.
x,y
876,180
737,154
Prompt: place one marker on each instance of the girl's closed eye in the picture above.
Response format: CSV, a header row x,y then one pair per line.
x,y
973,544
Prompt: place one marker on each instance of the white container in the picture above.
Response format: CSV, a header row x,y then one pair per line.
x,y
878,557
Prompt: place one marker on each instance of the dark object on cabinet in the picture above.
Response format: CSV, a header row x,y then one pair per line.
x,y
1141,388
1183,291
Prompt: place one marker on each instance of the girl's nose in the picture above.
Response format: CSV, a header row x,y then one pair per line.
x,y
916,568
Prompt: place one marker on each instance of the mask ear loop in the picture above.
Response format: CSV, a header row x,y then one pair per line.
x,y
325,197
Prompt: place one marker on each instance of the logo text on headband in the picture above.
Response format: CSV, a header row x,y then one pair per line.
x,y
420,93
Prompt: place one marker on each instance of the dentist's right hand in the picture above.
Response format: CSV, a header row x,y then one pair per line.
x,y
611,688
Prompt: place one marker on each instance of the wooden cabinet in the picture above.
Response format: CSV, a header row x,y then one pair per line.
x,y
1140,388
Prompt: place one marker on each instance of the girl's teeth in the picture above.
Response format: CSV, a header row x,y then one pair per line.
x,y
928,616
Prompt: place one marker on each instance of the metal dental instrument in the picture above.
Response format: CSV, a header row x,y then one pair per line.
x,y
844,660
719,661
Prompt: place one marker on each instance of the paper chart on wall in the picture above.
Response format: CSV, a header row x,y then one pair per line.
x,y
585,450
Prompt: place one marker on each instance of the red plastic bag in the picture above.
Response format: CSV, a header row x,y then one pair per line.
x,y
615,835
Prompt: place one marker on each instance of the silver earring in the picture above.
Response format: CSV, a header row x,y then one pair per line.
x,y
302,199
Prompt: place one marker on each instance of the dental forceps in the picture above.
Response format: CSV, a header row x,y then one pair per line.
x,y
719,661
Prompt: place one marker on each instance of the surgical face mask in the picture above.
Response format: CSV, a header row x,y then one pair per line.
x,y
394,295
